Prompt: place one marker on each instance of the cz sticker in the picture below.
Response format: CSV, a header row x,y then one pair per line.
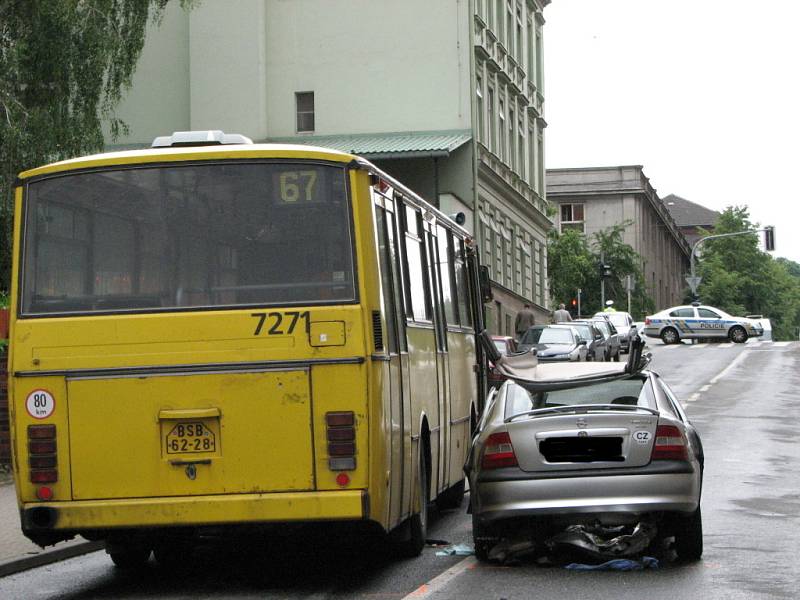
x,y
642,437
40,404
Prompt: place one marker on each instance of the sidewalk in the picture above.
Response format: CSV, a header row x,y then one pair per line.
x,y
18,553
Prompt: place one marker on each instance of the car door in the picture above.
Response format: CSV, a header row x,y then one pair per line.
x,y
684,319
710,323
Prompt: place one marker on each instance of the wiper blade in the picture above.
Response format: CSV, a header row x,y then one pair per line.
x,y
580,409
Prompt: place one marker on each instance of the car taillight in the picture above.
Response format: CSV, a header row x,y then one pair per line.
x,y
42,455
670,444
341,436
498,452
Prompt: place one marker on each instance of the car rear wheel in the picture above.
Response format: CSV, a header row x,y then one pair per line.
x,y
669,335
689,536
738,334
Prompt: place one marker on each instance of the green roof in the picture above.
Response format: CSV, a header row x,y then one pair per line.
x,y
411,144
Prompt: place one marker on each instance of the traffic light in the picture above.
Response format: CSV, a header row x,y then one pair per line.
x,y
574,303
605,270
769,238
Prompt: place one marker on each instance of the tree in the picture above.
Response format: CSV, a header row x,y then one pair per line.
x,y
64,65
741,280
573,262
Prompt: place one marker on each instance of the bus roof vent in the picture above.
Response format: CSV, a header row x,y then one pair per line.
x,y
199,138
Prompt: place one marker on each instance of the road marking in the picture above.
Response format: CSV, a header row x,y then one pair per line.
x,y
693,397
705,388
781,344
671,346
726,345
435,585
730,367
698,345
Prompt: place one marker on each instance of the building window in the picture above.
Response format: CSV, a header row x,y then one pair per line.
x,y
540,161
539,61
572,217
532,159
305,111
501,112
490,102
512,152
521,143
510,30
479,107
500,21
520,41
531,72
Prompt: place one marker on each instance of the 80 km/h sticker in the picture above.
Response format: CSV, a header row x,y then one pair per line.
x,y
40,404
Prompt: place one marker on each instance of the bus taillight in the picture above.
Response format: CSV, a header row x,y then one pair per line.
x,y
341,436
42,454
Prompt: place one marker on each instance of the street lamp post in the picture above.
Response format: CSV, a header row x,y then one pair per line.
x,y
693,280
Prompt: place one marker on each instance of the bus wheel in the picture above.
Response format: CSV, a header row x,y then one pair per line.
x,y
451,497
129,557
415,529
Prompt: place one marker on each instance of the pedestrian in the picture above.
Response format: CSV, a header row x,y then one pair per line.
x,y
562,314
525,319
610,306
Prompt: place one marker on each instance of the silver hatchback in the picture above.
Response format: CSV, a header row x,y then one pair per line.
x,y
589,443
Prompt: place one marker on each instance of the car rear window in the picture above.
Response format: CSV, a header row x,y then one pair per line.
x,y
628,392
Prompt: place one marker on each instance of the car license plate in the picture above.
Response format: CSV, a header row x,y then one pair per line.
x,y
189,437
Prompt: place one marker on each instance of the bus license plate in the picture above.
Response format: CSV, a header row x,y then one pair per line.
x,y
187,437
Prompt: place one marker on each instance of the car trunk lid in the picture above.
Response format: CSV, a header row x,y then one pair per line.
x,y
598,437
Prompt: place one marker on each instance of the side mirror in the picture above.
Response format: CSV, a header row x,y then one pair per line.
x,y
582,343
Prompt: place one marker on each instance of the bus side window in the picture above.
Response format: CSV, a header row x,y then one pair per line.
x,y
417,292
462,284
448,284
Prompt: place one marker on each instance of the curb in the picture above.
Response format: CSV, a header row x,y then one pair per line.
x,y
23,563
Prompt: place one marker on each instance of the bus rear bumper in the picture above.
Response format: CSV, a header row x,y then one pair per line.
x,y
234,509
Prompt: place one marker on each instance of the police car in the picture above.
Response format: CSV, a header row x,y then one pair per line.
x,y
699,321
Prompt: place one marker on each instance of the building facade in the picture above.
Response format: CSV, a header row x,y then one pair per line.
x,y
596,198
446,96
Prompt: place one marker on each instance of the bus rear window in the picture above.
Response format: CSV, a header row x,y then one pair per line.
x,y
199,235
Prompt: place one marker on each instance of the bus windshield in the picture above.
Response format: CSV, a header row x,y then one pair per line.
x,y
187,236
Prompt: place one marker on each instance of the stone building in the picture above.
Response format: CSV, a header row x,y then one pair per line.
x,y
591,199
446,96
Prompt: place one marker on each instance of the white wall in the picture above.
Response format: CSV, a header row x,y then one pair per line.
x,y
346,52
228,67
158,101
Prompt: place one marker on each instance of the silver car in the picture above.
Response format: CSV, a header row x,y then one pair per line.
x,y
624,324
589,443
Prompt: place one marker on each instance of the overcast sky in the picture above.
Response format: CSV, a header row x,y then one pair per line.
x,y
704,94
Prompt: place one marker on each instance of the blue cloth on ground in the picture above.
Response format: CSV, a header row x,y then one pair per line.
x,y
618,564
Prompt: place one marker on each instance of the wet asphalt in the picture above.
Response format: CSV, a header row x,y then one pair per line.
x,y
745,403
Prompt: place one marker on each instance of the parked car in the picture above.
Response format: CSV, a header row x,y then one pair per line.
x,y
699,321
595,444
531,337
596,347
554,343
623,323
505,345
611,335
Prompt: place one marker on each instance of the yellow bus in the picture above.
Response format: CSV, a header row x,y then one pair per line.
x,y
213,332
